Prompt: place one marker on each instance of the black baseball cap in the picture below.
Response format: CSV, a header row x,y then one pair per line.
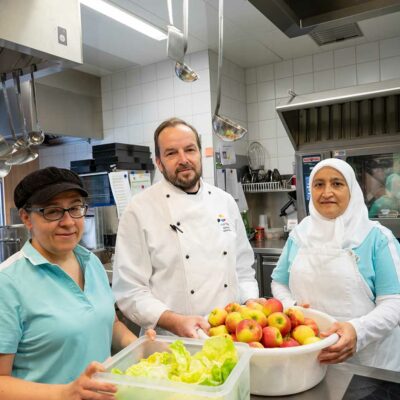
x,y
40,186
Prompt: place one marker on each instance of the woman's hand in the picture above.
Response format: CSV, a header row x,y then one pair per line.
x,y
344,348
151,334
86,388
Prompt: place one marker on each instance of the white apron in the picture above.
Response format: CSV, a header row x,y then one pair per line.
x,y
330,281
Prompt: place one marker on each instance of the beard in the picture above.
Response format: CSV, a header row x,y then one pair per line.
x,y
183,182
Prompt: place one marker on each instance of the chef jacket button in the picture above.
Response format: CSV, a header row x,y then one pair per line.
x,y
192,291
167,195
225,253
178,223
209,192
187,255
225,285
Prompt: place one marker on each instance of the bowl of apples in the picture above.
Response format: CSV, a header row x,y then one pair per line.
x,y
284,343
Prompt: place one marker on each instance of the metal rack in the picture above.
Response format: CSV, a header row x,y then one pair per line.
x,y
263,187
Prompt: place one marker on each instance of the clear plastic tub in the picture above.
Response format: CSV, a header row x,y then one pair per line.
x,y
236,387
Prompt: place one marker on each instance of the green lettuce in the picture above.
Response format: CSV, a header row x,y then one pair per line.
x,y
210,366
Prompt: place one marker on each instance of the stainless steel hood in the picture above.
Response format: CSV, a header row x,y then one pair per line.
x,y
42,32
364,114
326,21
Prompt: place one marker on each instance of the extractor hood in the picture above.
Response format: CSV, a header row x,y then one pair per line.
x,y
367,113
326,21
46,33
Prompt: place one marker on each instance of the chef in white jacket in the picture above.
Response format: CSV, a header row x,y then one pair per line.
x,y
181,248
338,261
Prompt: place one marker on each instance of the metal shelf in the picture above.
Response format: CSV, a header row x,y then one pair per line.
x,y
266,187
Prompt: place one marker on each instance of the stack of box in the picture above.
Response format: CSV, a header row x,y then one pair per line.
x,y
83,166
108,157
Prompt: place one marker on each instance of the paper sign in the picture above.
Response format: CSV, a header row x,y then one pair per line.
x,y
221,179
232,184
228,155
119,182
139,180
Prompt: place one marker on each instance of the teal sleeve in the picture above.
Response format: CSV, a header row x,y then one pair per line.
x,y
282,270
10,319
387,266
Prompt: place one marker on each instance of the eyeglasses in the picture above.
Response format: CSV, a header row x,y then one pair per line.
x,y
57,213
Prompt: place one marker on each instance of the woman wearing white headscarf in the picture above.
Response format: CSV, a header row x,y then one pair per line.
x,y
338,261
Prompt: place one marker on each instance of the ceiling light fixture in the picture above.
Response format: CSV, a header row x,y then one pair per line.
x,y
125,18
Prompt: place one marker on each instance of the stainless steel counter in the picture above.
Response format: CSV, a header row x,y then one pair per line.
x,y
336,382
269,246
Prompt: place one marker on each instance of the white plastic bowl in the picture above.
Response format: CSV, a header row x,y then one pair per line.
x,y
285,371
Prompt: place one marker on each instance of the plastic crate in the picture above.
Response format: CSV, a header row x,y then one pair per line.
x,y
236,387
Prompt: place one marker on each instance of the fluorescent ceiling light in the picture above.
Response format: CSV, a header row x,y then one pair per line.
x,y
125,18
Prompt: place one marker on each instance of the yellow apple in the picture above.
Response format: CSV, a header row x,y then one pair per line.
x,y
302,332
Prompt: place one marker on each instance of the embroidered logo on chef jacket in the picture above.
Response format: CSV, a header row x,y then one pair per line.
x,y
223,223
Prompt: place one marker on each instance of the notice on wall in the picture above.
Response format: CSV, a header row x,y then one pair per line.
x,y
139,181
121,190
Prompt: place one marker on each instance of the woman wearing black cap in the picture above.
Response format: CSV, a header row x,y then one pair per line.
x,y
57,309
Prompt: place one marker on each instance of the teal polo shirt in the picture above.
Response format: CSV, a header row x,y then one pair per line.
x,y
53,327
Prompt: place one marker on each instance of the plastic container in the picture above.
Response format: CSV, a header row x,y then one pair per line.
x,y
286,371
236,387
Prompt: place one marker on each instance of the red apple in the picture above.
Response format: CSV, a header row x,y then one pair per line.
x,y
281,321
296,316
302,332
232,320
217,316
271,337
261,300
256,345
231,307
218,330
233,336
272,305
254,305
289,342
256,315
312,324
248,330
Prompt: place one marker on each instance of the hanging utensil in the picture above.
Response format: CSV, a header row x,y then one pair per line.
x,y
4,169
24,140
5,148
36,135
177,44
223,127
21,155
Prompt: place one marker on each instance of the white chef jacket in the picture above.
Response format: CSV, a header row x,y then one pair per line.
x,y
205,262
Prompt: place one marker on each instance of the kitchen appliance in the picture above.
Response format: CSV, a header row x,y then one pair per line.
x,y
12,238
359,125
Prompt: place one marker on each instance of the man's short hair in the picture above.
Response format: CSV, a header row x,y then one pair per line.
x,y
172,122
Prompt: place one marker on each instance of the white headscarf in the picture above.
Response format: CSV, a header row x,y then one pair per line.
x,y
346,231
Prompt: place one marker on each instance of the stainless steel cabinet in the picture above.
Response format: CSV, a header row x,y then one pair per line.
x,y
266,262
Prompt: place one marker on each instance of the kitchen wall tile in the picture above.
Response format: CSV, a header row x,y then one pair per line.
x,y
149,112
345,76
165,109
283,69
368,72
252,112
323,61
304,83
106,84
266,91
280,129
133,77
208,166
118,80
120,117
135,134
121,135
302,65
199,60
251,75
181,88
149,91
343,57
285,164
390,47
270,146
266,110
148,132
242,92
183,106
201,102
119,98
268,129
108,120
282,86
324,80
108,137
284,146
390,68
134,114
165,88
253,130
106,101
148,73
202,122
165,69
134,95
367,52
203,83
264,73
251,93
